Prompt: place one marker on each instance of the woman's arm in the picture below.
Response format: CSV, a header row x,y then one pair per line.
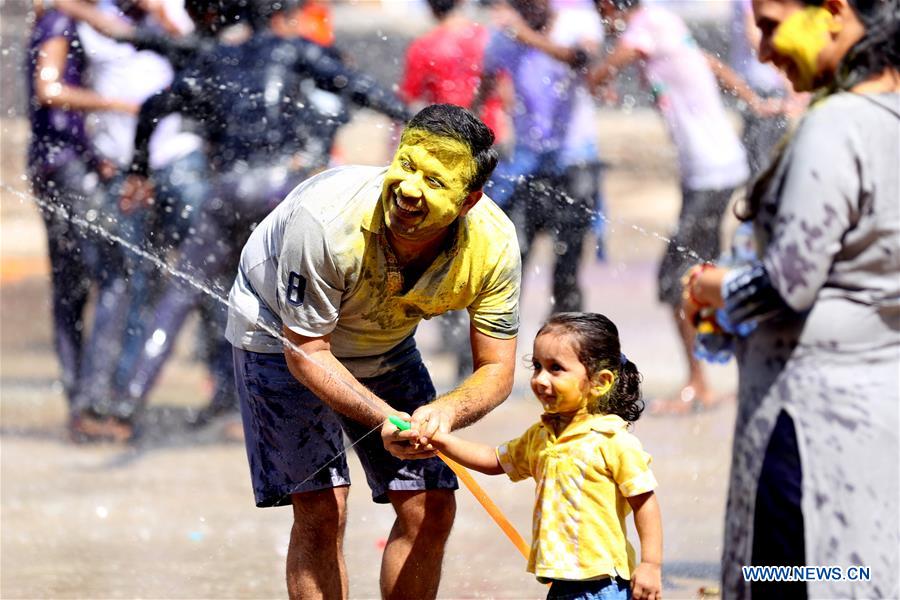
x,y
646,580
50,90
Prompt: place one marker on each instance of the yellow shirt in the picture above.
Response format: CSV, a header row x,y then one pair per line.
x,y
583,479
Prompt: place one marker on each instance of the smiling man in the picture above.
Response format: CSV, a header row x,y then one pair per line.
x,y
343,271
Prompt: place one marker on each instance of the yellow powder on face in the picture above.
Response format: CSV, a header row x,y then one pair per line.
x,y
802,37
433,173
452,153
568,397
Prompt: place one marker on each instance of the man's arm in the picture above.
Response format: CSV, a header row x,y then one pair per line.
x,y
137,192
734,84
311,362
487,387
332,75
621,56
510,20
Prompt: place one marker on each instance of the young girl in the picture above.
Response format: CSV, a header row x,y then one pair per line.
x,y
590,471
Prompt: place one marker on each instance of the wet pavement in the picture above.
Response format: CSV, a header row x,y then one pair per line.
x,y
172,516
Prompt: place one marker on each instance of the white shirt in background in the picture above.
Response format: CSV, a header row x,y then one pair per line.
x,y
118,70
710,154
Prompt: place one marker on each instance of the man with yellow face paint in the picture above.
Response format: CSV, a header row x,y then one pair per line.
x,y
345,269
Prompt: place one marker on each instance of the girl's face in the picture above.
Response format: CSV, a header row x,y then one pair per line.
x,y
560,381
806,42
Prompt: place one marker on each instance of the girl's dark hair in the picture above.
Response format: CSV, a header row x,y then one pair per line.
x,y
876,51
596,341
455,122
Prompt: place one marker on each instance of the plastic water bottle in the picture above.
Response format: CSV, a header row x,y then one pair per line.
x,y
712,343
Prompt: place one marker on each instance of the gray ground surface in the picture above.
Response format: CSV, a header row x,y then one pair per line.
x,y
172,517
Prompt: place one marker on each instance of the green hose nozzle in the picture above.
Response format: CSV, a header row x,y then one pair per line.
x,y
399,423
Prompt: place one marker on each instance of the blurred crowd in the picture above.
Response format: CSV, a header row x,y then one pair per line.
x,y
178,125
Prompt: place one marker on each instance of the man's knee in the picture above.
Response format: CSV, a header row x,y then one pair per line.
x,y
321,511
430,512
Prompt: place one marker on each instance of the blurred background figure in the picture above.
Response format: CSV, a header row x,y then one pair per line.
x,y
178,167
551,180
66,176
311,21
711,160
444,66
760,133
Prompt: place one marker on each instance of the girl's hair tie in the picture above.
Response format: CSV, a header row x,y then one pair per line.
x,y
623,359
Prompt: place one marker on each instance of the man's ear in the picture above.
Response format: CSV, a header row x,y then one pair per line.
x,y
470,201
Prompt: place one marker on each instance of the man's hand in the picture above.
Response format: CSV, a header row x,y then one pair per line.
x,y
404,444
430,419
646,582
137,193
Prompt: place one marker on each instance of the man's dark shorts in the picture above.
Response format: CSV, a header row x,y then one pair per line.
x,y
295,441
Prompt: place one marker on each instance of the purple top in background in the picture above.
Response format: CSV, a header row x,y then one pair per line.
x,y
57,135
543,100
553,110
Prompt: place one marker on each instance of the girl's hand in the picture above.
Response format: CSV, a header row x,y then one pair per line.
x,y
646,582
430,419
403,444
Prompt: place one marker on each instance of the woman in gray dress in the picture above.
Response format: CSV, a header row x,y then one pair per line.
x,y
814,475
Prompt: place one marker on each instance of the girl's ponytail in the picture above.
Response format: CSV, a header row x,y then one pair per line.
x,y
625,397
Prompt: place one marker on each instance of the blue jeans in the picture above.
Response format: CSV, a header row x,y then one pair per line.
x,y
609,588
181,188
540,194
78,260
